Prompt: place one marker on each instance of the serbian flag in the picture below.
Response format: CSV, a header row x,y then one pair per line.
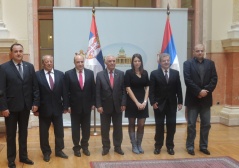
x,y
94,58
169,47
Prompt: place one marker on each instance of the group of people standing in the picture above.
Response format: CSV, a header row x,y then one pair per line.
x,y
49,93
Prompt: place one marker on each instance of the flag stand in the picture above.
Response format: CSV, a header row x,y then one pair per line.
x,y
94,132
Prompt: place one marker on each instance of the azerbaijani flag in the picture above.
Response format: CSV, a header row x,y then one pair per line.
x,y
169,47
94,58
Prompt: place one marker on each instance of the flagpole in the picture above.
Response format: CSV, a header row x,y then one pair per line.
x,y
95,132
168,13
168,10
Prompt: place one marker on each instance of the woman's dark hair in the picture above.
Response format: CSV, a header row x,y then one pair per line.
x,y
141,68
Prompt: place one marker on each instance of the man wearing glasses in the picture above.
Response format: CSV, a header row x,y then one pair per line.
x,y
201,79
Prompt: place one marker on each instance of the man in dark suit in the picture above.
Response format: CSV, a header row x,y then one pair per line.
x,y
201,79
110,103
53,102
21,94
80,86
165,94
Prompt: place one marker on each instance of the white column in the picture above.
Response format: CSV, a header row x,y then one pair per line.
x,y
4,33
230,113
234,31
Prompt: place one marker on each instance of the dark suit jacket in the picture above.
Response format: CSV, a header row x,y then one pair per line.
x,y
160,91
106,97
19,94
78,98
195,84
53,102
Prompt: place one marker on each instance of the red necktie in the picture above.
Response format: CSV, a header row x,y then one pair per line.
x,y
111,79
51,80
81,80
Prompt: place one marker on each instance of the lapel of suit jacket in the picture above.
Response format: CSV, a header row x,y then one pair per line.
x,y
161,75
14,68
57,79
170,75
107,77
194,64
86,77
206,66
85,73
44,80
74,76
116,78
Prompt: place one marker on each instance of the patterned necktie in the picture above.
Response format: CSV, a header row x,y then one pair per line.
x,y
166,75
81,80
51,80
111,79
20,70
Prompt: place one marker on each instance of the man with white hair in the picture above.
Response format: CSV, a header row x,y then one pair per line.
x,y
110,103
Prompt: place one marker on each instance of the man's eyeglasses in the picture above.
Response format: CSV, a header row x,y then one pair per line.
x,y
197,51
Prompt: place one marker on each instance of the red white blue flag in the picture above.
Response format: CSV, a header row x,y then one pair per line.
x,y
169,47
94,58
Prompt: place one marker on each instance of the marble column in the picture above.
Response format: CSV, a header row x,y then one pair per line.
x,y
5,41
3,31
229,115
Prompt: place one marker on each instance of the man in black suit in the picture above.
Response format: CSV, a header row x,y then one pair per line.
x,y
201,79
110,103
80,86
165,94
53,103
21,94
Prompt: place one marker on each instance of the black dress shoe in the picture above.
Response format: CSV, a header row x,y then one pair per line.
x,y
86,152
105,152
205,151
170,151
77,153
27,161
119,151
11,165
62,155
191,152
157,151
46,157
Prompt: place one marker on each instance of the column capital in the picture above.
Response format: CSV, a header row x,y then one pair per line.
x,y
231,44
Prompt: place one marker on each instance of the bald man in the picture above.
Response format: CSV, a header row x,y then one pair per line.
x,y
80,85
201,79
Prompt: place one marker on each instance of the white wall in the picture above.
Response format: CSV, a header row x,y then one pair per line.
x,y
136,30
217,20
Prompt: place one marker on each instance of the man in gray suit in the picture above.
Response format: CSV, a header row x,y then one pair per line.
x,y
21,94
110,103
